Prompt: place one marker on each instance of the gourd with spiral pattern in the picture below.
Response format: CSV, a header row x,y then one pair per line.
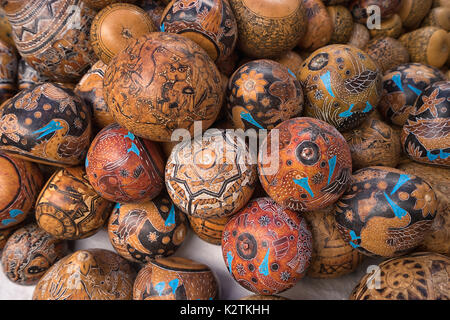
x,y
332,257
160,83
211,176
209,23
47,124
386,212
93,274
29,253
401,88
426,133
268,28
361,9
143,231
262,94
306,166
69,208
8,71
114,27
124,168
90,89
21,183
175,278
419,276
267,249
52,36
342,85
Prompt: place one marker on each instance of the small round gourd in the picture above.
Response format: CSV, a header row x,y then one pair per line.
x,y
269,28
211,24
69,208
212,176
308,167
387,52
342,85
262,94
271,254
29,253
419,276
401,88
425,137
332,257
52,37
115,26
124,168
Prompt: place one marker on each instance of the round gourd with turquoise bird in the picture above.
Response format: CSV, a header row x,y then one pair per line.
x,y
386,212
342,85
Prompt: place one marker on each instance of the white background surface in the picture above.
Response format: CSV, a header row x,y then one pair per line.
x,y
196,249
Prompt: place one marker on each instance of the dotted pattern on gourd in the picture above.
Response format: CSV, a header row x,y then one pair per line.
x,y
262,94
69,208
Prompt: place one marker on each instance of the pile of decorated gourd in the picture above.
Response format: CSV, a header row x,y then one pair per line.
x,y
296,137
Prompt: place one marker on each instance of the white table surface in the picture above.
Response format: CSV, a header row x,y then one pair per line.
x,y
196,249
